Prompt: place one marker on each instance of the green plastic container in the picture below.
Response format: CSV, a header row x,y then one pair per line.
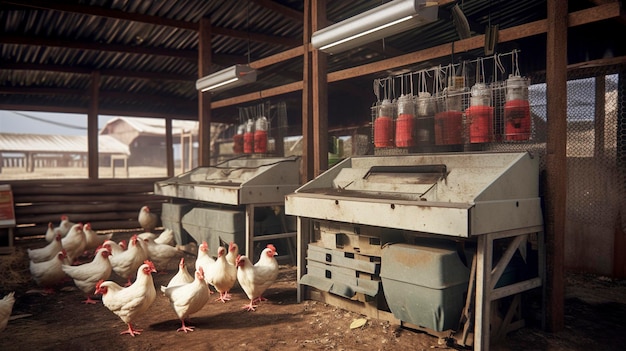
x,y
425,284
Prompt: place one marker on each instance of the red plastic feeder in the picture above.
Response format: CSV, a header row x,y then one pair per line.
x,y
480,115
248,138
383,125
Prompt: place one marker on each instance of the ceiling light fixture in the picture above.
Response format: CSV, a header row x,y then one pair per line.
x,y
385,20
227,78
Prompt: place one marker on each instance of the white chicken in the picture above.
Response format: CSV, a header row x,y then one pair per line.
x,y
114,247
188,299
166,236
182,276
126,263
47,252
51,233
204,259
233,252
74,242
48,274
86,275
6,308
123,244
147,220
93,239
255,279
65,226
268,259
160,254
223,275
130,302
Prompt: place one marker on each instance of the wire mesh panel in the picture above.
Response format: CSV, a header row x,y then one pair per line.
x,y
499,109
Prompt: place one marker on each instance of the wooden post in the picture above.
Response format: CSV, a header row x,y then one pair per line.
x,y
556,162
320,94
599,116
92,127
204,99
306,172
169,147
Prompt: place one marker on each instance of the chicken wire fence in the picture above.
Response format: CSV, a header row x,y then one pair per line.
x,y
596,127
595,147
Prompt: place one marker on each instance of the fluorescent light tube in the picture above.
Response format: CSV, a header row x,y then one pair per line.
x,y
385,20
227,78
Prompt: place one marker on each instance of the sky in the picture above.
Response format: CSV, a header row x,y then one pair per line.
x,y
46,123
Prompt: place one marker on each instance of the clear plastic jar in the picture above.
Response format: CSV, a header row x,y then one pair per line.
x,y
260,135
238,139
480,114
449,121
517,109
405,122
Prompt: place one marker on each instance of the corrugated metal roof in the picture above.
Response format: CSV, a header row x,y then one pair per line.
x,y
146,50
45,144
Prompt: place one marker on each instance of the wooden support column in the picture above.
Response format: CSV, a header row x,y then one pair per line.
x,y
599,116
556,162
204,99
92,127
320,93
306,173
169,147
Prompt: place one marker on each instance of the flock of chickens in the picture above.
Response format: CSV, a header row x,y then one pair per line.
x,y
135,262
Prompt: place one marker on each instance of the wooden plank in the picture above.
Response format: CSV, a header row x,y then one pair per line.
x,y
591,15
69,199
277,58
497,271
79,207
368,309
599,114
105,225
556,162
515,288
92,127
283,89
306,172
484,259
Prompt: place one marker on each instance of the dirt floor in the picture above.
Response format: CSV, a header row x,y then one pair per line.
x,y
595,314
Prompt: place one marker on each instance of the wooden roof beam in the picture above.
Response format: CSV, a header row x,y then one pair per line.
x,y
599,13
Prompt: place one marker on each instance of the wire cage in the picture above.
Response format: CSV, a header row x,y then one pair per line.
x,y
258,126
459,105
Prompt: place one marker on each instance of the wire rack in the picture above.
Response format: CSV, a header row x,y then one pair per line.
x,y
444,114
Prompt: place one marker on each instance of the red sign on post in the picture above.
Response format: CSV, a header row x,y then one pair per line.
x,y
7,212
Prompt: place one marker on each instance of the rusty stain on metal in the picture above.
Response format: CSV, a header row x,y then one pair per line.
x,y
412,259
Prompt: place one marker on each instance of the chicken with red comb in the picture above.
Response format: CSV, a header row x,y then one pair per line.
x,y
130,302
255,279
222,276
188,299
86,275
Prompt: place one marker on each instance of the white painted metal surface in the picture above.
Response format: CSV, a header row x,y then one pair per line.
x,y
240,181
460,194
